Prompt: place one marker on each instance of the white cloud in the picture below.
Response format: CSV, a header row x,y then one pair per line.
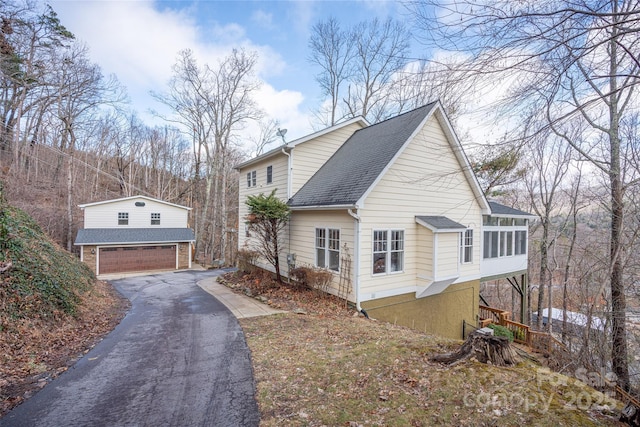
x,y
139,44
263,19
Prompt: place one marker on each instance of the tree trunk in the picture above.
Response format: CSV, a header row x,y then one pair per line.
x,y
619,356
543,272
485,348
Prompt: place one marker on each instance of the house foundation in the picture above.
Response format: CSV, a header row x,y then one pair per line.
x,y
443,314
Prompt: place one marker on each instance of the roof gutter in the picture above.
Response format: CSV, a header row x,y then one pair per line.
x,y
356,219
324,208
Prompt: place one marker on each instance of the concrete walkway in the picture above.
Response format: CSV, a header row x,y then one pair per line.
x,y
241,306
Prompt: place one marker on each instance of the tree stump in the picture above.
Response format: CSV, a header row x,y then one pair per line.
x,y
485,348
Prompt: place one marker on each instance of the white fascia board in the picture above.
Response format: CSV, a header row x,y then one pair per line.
x,y
150,242
325,131
104,202
418,128
264,156
531,217
323,208
290,145
463,161
439,230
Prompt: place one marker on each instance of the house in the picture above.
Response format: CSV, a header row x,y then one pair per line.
x,y
135,233
396,212
576,322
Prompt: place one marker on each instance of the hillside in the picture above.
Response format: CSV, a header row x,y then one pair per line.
x,y
326,366
52,308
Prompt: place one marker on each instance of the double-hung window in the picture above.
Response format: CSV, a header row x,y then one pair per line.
x,y
506,243
521,242
388,251
328,248
251,179
123,218
466,246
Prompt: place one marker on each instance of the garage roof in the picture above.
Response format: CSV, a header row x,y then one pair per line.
x,y
112,236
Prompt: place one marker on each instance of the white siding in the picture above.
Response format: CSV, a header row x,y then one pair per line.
x,y
426,179
309,156
279,171
302,243
447,262
105,215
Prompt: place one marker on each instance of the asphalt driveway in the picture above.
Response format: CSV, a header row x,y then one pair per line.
x,y
178,358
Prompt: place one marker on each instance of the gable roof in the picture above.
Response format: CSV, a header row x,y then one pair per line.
x,y
357,164
132,198
439,224
111,236
291,144
500,210
355,168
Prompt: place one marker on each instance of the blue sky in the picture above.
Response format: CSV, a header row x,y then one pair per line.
x,y
138,42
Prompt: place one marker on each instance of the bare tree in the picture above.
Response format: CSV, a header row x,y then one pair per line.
x,y
214,103
570,60
358,66
548,167
268,134
332,50
381,50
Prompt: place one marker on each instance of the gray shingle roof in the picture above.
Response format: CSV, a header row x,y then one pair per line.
x,y
440,222
97,236
354,167
500,209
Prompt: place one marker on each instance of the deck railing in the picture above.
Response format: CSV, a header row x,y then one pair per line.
x,y
522,333
538,341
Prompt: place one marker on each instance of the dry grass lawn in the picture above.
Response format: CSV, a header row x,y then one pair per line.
x,y
331,368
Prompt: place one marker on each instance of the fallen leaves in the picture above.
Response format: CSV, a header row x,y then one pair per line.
x,y
330,367
34,351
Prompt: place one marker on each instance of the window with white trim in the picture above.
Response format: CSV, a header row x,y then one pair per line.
x,y
388,251
498,244
328,248
506,243
155,218
521,242
251,179
466,246
123,218
490,249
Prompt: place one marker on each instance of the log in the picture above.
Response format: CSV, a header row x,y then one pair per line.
x,y
484,348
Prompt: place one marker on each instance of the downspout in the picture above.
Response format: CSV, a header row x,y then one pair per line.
x,y
289,161
356,219
289,168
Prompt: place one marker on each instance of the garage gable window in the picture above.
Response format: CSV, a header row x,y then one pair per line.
x,y
155,219
123,218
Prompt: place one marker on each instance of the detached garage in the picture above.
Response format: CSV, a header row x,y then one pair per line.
x,y
135,234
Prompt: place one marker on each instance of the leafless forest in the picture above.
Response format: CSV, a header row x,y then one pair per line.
x,y
569,154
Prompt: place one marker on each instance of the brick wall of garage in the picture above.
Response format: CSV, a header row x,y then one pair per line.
x,y
88,257
184,252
